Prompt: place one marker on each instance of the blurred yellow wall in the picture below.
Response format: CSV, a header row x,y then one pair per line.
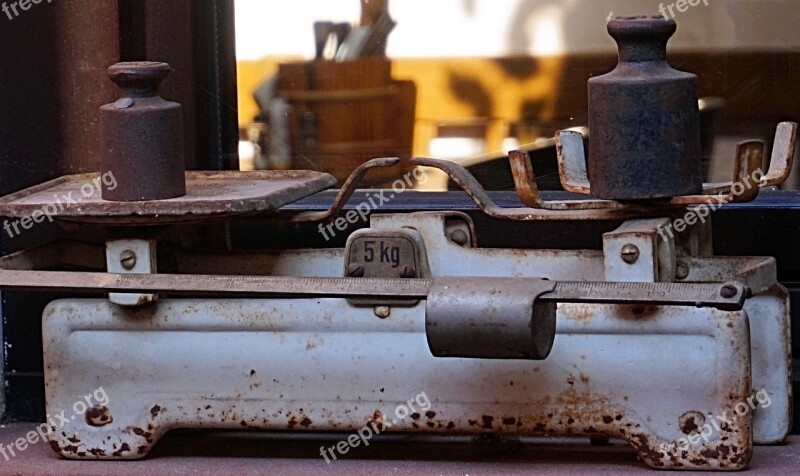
x,y
453,89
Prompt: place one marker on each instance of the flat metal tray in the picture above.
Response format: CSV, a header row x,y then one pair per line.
x,y
209,195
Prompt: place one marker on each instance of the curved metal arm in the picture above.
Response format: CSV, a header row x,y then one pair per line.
x,y
348,188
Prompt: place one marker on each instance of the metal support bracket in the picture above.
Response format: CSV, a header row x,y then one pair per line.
x,y
131,256
637,252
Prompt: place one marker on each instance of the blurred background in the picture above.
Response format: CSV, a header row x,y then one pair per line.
x,y
469,80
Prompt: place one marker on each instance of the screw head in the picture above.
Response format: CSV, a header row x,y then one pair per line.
x,y
382,311
407,272
127,259
355,271
459,237
630,253
123,103
728,291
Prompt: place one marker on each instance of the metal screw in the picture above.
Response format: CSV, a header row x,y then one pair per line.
x,y
459,237
355,271
383,311
728,291
408,272
127,259
123,103
630,253
682,270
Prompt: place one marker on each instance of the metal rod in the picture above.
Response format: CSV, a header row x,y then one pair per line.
x,y
727,296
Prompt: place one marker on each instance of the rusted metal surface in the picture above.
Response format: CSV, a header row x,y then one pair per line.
x,y
580,389
572,162
528,191
326,379
767,309
209,195
783,150
141,136
746,184
644,119
495,319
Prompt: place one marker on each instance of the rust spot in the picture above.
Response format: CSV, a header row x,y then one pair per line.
x,y
509,421
140,432
637,311
70,449
74,439
377,420
415,416
584,314
305,422
155,411
122,449
487,421
430,414
98,416
691,422
252,372
607,419
142,450
450,425
97,451
55,446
